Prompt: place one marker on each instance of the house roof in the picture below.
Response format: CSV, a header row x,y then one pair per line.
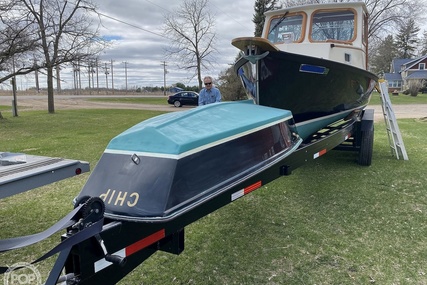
x,y
415,61
420,74
392,76
397,63
407,63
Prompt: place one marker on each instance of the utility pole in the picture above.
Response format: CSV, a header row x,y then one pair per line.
x,y
106,76
93,75
58,79
89,71
126,75
14,105
164,77
80,79
97,76
36,73
76,84
112,76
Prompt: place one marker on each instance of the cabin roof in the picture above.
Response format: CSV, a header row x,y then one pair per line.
x,y
312,7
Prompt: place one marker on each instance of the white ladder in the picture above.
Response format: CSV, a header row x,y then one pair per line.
x,y
393,132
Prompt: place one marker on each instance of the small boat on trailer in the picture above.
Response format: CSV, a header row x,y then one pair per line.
x,y
169,171
311,60
166,165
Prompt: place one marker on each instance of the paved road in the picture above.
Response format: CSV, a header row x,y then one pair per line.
x,y
39,102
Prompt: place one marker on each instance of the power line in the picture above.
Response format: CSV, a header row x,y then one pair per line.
x,y
225,13
158,6
134,26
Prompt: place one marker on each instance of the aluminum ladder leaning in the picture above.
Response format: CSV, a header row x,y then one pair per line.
x,y
394,136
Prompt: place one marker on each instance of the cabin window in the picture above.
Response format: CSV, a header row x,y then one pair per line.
x,y
422,66
333,25
286,29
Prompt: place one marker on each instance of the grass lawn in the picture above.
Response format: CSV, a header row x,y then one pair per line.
x,y
400,99
330,222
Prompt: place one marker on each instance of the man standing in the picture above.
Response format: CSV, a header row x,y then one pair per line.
x,y
209,94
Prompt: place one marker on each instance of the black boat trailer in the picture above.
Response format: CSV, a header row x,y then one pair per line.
x,y
100,250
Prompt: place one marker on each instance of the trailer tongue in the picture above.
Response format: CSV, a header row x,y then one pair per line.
x,y
167,172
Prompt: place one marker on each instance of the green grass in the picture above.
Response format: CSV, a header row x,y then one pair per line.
x,y
330,222
375,100
401,99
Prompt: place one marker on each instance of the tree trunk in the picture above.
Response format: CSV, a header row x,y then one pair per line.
x,y
199,73
50,101
1,116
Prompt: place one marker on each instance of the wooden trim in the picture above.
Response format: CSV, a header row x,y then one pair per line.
x,y
303,25
334,10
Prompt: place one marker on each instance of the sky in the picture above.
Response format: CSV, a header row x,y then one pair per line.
x,y
138,46
134,30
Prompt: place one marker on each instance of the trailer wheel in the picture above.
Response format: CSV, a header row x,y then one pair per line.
x,y
366,147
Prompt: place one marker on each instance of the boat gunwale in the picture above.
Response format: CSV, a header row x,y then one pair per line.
x,y
202,147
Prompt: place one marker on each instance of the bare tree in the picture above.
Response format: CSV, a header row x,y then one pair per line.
x,y
260,7
191,30
61,32
18,36
384,15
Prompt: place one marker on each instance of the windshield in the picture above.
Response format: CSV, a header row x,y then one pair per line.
x,y
336,25
286,29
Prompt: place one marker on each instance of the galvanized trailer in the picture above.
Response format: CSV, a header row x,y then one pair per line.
x,y
21,172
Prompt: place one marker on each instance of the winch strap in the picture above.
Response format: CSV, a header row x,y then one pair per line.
x,y
18,242
57,268
74,239
66,244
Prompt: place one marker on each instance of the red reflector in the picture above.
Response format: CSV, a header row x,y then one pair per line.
x,y
78,171
137,246
252,187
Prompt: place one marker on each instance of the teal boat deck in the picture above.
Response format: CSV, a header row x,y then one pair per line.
x,y
199,128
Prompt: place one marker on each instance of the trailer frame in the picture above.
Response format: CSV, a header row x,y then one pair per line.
x,y
113,254
97,249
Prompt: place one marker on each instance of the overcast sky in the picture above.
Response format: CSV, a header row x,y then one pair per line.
x,y
144,52
134,28
135,37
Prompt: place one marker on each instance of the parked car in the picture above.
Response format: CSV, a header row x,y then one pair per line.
x,y
184,98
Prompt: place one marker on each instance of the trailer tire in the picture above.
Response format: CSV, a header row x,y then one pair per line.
x,y
366,147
